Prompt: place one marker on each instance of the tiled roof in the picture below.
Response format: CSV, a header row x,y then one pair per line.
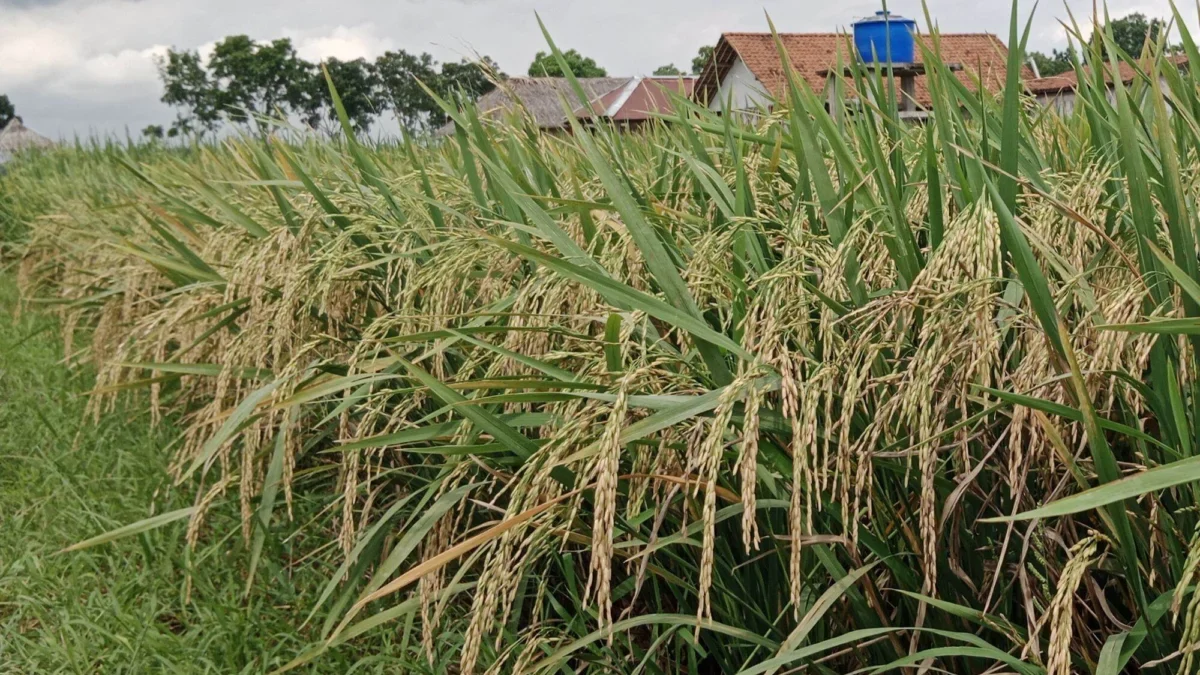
x,y
981,55
621,99
1068,81
541,97
641,98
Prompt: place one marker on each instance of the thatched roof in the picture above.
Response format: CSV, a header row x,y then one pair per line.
x,y
15,137
541,98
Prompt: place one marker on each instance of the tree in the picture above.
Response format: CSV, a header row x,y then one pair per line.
x,y
153,132
357,86
232,73
7,111
466,81
1057,63
279,75
470,78
188,87
244,79
400,75
668,69
260,78
546,65
702,58
1130,32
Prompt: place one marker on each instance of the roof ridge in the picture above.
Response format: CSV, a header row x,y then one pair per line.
x,y
533,78
837,33
811,54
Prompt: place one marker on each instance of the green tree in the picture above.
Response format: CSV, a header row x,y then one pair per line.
x,y
244,78
154,132
1130,32
7,111
400,75
669,69
470,79
188,88
546,65
231,69
1056,63
702,58
466,81
279,76
357,86
261,78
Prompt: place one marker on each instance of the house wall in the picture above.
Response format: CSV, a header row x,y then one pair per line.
x,y
1064,101
740,89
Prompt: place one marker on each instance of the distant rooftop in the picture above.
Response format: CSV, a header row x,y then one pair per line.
x,y
1069,81
813,55
627,100
16,137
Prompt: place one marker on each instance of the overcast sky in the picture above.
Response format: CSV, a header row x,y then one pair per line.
x,y
88,66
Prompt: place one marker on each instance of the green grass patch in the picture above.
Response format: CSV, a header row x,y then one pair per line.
x,y
122,607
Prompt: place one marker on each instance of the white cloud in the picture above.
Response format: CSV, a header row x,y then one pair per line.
x,y
122,69
29,52
345,43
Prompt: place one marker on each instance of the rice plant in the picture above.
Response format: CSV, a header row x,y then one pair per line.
x,y
813,390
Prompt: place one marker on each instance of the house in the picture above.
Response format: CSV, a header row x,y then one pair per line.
x,y
746,72
628,101
639,100
16,137
1058,91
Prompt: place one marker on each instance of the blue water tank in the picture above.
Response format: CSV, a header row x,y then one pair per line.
x,y
873,34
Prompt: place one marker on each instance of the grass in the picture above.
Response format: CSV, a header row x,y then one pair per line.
x,y
817,389
121,607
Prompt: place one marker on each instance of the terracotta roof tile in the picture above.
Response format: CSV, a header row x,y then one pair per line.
x,y
981,55
641,98
1068,81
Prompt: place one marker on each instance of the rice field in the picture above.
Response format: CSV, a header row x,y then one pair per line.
x,y
802,391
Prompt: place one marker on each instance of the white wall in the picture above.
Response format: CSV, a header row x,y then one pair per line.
x,y
1064,101
740,89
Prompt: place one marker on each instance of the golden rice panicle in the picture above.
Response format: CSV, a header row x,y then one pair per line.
x,y
248,484
1062,608
747,467
204,503
804,493
440,538
505,561
707,274
708,465
606,471
1191,629
483,605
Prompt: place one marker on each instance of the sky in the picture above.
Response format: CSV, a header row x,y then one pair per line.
x,y
87,67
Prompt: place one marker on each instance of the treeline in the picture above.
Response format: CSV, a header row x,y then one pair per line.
x,y
243,79
1129,33
7,111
